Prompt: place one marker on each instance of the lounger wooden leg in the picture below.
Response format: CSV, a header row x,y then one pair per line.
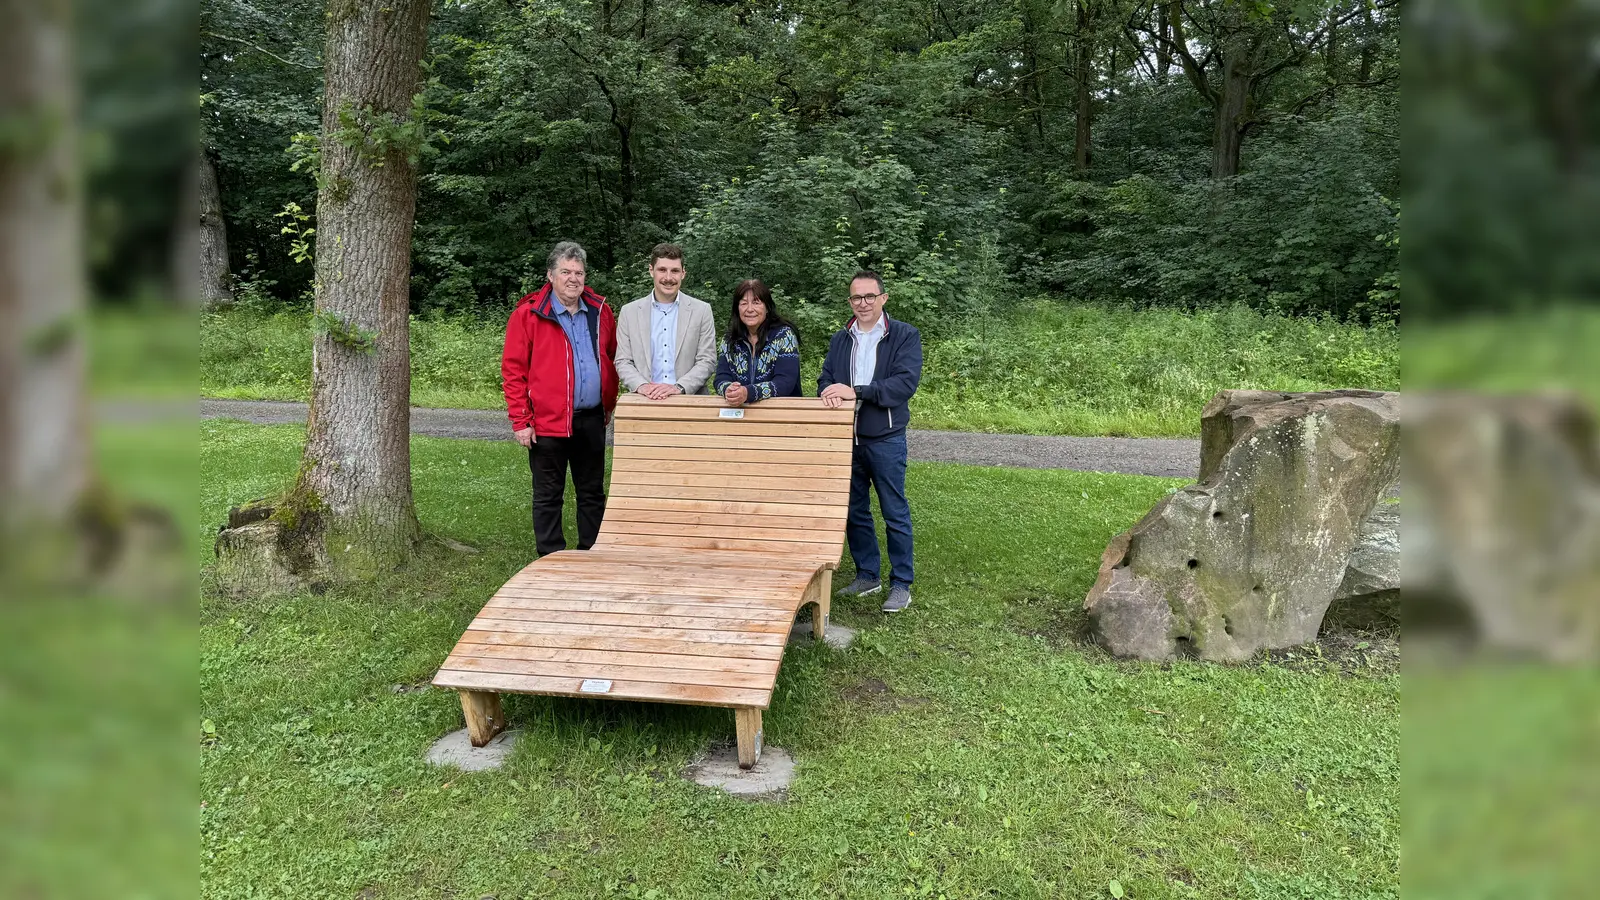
x,y
747,721
819,596
484,719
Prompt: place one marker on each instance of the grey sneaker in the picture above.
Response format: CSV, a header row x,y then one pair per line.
x,y
861,587
899,598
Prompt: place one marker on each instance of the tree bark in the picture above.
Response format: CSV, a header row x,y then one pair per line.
x,y
1164,13
352,500
1232,113
45,472
1083,55
216,282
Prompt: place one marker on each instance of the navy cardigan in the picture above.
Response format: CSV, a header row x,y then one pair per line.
x,y
775,371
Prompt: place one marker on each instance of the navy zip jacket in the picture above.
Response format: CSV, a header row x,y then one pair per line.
x,y
884,404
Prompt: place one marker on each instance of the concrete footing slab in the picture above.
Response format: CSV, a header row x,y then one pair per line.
x,y
455,749
837,636
719,768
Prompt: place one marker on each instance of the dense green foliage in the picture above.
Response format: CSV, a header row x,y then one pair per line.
x,y
1502,173
1043,368
977,746
974,151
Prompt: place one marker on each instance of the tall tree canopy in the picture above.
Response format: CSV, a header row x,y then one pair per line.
x,y
1170,152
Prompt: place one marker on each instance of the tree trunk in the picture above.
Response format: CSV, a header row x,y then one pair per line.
x,y
1232,114
1369,45
351,509
1164,13
45,471
1032,83
216,282
1083,56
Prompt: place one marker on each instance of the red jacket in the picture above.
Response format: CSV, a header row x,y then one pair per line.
x,y
536,369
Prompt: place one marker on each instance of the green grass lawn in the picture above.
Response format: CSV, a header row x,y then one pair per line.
x,y
1541,350
1044,368
975,746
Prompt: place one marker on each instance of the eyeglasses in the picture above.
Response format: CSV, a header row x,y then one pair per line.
x,y
864,298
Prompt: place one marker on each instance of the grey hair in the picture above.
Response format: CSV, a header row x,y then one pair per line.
x,y
567,250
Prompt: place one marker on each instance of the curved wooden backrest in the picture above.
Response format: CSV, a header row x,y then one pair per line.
x,y
774,480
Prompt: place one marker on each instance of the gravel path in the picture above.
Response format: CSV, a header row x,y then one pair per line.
x,y
1171,457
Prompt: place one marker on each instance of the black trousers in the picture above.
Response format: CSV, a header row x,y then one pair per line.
x,y
549,458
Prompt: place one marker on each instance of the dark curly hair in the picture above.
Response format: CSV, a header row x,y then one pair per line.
x,y
737,332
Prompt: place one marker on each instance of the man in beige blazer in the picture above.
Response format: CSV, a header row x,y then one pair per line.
x,y
666,341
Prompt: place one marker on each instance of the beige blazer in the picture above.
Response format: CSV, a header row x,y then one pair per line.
x,y
695,344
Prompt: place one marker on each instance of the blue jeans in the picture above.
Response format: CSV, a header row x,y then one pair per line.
x,y
882,464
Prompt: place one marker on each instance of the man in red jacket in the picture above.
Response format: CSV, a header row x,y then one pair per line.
x,y
560,382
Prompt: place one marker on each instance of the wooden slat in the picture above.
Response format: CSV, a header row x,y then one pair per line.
x,y
706,559
709,401
623,454
591,629
836,511
646,465
682,569
652,594
620,578
629,620
724,442
829,525
752,484
807,551
508,600
812,556
798,566
737,532
723,595
727,591
732,428
460,662
624,658
692,694
767,651
697,492
753,412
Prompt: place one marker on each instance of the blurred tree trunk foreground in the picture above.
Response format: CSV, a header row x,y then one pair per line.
x,y
60,525
45,476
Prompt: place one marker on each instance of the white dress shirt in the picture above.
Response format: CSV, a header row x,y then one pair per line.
x,y
663,341
865,361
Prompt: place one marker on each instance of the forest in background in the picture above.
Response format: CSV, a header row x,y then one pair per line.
x,y
1187,153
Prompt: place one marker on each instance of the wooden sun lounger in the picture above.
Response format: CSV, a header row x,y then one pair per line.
x,y
720,525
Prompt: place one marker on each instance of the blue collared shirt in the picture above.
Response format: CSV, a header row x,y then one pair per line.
x,y
585,367
663,341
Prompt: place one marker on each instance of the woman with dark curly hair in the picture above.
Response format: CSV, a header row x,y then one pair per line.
x,y
759,356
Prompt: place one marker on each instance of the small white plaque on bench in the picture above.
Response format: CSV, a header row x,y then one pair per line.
x,y
595,686
731,413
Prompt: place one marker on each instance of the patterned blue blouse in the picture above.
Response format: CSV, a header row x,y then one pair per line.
x,y
775,373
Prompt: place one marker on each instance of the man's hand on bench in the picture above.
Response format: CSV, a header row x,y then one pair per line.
x,y
653,391
835,395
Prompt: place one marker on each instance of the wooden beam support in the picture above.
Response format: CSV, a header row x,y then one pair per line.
x,y
484,719
822,605
747,722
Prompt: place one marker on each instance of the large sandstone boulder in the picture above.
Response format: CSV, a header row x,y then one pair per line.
x,y
1250,557
1503,523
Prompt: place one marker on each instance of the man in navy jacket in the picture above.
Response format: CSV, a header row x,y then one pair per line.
x,y
876,363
